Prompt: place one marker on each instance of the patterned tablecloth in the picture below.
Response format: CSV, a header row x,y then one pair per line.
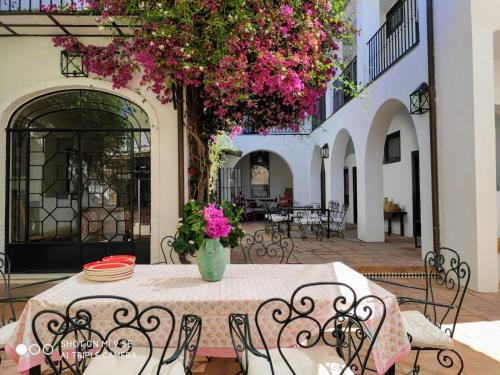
x,y
243,289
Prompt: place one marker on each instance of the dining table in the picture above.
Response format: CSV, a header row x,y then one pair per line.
x,y
243,288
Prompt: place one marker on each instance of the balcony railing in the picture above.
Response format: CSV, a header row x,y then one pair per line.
x,y
397,36
341,94
304,129
29,6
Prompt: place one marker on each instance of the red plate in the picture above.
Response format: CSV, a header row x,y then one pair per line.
x,y
104,265
120,258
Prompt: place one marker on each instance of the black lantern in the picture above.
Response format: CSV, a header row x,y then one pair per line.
x,y
325,151
72,64
419,100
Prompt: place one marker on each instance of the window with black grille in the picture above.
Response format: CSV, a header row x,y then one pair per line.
x,y
392,148
395,17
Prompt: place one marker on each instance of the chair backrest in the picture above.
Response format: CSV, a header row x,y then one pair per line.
x,y
446,284
334,205
106,326
167,247
266,247
317,314
7,313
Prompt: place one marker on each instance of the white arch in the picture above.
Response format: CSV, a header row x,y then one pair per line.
x,y
235,163
10,104
370,203
339,148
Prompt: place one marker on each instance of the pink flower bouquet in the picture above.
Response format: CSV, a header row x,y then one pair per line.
x,y
217,224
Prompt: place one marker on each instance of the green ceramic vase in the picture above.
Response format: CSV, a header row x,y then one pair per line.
x,y
211,260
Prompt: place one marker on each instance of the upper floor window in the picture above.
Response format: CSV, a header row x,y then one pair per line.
x,y
395,17
392,148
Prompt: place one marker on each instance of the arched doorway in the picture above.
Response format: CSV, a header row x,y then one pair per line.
x,y
78,185
344,174
393,172
265,176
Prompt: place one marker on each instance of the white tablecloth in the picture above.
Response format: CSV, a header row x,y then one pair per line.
x,y
243,288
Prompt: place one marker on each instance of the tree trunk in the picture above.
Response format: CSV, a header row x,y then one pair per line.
x,y
198,145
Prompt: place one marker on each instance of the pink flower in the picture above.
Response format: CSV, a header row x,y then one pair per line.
x,y
286,10
217,225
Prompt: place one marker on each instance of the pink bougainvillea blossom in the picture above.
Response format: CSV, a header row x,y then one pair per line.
x,y
266,63
217,225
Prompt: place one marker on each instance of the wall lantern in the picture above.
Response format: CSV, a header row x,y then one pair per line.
x,y
325,151
72,64
419,100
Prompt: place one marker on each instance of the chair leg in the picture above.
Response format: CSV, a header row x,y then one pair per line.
x,y
416,366
445,359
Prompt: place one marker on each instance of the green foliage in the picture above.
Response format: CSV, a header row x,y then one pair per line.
x,y
191,230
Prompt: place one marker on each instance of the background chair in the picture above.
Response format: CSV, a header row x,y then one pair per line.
x,y
168,252
266,247
336,343
123,346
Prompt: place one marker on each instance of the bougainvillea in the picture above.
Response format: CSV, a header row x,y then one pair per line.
x,y
254,63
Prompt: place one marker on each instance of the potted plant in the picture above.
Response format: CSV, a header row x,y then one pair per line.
x,y
206,230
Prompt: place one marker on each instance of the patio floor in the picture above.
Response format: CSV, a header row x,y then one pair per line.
x,y
397,254
477,331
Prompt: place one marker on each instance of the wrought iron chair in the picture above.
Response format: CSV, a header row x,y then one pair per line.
x,y
8,318
266,247
337,218
167,245
275,219
309,221
302,343
117,337
434,327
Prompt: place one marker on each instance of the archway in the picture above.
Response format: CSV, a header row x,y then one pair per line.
x,y
391,171
344,174
265,175
78,180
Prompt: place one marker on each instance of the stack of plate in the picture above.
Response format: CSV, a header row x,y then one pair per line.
x,y
110,268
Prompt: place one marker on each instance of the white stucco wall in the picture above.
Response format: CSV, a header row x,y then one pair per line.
x,y
30,67
398,176
466,139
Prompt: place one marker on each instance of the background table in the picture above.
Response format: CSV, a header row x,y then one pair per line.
x,y
243,289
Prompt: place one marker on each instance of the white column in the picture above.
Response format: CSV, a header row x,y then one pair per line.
x,y
466,133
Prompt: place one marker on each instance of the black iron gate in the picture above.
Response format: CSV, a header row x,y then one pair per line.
x,y
75,195
229,184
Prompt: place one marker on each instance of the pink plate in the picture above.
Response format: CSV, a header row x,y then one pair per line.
x,y
106,265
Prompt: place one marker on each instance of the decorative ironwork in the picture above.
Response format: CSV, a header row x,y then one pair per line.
x,y
394,40
79,172
229,187
79,337
341,94
168,241
444,269
270,247
420,100
72,64
342,328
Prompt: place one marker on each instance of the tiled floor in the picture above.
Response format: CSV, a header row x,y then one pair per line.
x,y
397,254
478,331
